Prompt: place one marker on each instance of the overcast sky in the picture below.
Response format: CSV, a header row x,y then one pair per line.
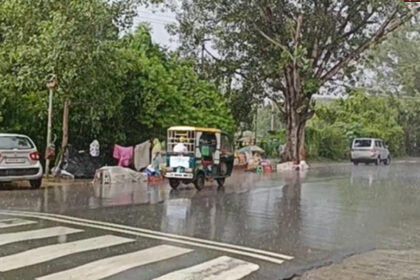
x,y
158,19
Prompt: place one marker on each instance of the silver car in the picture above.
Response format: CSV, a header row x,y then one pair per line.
x,y
19,160
370,150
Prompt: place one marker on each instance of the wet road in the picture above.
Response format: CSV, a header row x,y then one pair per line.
x,y
256,227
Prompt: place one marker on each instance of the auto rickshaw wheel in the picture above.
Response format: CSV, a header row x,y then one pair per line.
x,y
199,181
174,183
221,182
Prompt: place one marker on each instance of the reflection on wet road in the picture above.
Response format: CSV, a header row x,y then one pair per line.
x,y
316,217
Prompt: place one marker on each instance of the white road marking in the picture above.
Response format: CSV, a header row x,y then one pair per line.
x,y
114,265
214,245
190,243
223,268
8,223
43,254
13,237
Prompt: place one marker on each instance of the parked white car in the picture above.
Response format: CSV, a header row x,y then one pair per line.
x,y
370,150
19,160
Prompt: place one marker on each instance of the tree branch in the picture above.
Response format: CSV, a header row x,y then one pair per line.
x,y
362,23
274,42
298,29
212,55
327,49
387,27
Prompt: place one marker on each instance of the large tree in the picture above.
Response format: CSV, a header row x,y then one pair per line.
x,y
72,39
121,87
160,90
394,67
395,63
291,48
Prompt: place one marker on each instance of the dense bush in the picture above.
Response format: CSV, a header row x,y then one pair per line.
x,y
122,89
330,133
272,142
326,142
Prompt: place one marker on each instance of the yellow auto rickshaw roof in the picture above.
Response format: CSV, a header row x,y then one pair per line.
x,y
192,128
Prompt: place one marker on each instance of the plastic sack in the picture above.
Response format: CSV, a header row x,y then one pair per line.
x,y
80,164
94,149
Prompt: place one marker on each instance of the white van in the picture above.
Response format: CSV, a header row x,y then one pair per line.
x,y
369,150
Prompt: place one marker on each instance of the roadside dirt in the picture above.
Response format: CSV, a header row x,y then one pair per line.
x,y
378,264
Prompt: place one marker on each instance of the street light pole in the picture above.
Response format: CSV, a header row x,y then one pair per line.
x,y
52,84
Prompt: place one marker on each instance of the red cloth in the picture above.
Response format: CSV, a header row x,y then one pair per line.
x,y
124,155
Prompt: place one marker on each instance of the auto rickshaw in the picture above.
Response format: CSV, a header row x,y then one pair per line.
x,y
195,155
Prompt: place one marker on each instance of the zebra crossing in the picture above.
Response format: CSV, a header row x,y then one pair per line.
x,y
219,268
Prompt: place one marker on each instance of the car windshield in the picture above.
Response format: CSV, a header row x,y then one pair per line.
x,y
15,142
362,143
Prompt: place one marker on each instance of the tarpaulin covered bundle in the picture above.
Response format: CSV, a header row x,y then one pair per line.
x,y
116,174
80,164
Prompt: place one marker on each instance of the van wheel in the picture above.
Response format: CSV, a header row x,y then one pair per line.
x,y
355,162
199,181
36,184
388,161
378,161
221,182
174,183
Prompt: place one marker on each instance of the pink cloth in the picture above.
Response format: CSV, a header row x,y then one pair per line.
x,y
124,155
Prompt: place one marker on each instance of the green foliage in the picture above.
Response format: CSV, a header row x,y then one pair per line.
x,y
161,91
265,115
396,62
327,141
330,133
121,90
409,119
72,39
286,49
271,143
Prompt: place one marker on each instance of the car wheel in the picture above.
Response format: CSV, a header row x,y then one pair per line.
x,y
388,161
221,182
174,183
199,181
355,162
378,161
36,184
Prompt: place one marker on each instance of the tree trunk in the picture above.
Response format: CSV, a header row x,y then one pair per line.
x,y
295,134
297,112
65,136
65,139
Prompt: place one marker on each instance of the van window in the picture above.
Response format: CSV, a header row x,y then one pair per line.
x,y
362,143
378,144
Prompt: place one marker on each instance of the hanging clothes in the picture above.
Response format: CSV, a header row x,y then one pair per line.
x,y
157,148
142,155
156,155
124,155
